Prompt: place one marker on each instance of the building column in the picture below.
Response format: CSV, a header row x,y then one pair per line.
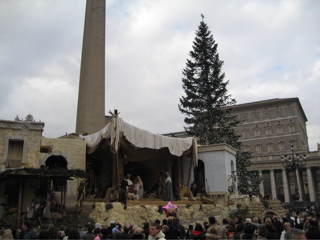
x,y
261,188
285,186
311,186
300,185
273,184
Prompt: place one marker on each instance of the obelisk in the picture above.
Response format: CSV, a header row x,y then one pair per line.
x,y
91,96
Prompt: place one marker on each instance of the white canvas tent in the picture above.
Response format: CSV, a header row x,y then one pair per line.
x,y
139,144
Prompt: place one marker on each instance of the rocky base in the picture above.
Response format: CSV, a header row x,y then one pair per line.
x,y
138,214
189,212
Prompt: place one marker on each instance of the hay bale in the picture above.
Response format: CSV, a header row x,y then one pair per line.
x,y
185,192
207,200
108,193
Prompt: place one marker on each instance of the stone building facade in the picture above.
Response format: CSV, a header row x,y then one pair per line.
x,y
73,150
270,130
270,127
24,152
20,143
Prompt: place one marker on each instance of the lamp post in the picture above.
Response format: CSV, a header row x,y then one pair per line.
x,y
293,162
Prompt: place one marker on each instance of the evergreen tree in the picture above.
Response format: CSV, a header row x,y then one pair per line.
x,y
206,102
248,181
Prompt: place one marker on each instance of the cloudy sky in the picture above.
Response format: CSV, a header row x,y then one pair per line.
x,y
270,49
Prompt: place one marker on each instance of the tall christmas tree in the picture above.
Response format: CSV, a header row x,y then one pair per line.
x,y
206,99
206,104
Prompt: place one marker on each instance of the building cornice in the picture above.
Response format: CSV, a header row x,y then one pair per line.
x,y
262,103
217,147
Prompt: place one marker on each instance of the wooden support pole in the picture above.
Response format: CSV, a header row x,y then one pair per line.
x,y
64,196
120,169
180,171
20,202
189,174
61,197
114,170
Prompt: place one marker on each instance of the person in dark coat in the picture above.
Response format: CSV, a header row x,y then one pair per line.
x,y
250,231
197,233
138,233
146,230
173,232
277,224
104,233
239,231
271,231
109,234
74,234
125,234
189,231
89,235
313,231
165,230
123,192
44,234
181,229
28,231
238,220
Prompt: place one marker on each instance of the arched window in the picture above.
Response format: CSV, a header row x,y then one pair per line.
x,y
232,167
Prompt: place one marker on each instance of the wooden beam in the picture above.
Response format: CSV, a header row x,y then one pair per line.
x,y
189,174
65,194
20,202
114,170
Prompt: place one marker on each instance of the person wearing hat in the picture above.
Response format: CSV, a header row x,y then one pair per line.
x,y
97,225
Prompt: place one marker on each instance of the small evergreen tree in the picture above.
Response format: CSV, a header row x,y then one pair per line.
x,y
248,181
206,99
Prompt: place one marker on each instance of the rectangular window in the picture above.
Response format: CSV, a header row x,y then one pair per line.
x,y
257,132
278,113
245,133
281,146
15,153
280,130
268,131
270,148
289,112
258,148
244,118
291,128
256,117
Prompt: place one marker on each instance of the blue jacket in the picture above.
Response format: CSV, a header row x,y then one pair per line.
x,y
30,234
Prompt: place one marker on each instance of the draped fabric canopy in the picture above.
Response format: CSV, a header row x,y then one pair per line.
x,y
138,143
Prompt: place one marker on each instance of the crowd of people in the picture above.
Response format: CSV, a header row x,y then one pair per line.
x,y
303,226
